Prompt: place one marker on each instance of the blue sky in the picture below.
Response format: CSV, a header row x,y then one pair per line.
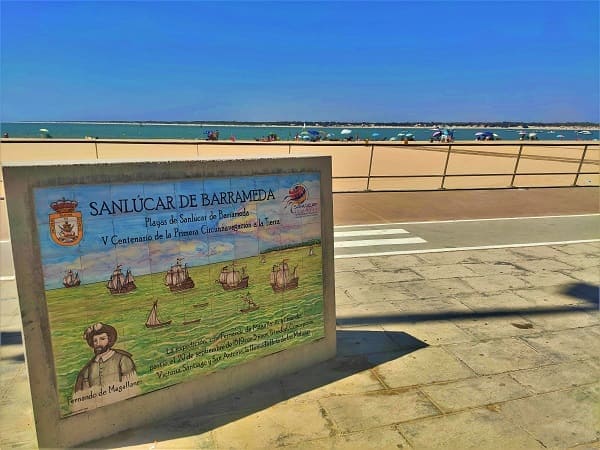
x,y
259,61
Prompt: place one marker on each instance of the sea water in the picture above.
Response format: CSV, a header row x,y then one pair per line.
x,y
142,130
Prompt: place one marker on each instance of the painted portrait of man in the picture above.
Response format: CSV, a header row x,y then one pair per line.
x,y
108,366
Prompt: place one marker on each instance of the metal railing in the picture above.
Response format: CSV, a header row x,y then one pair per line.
x,y
372,169
468,148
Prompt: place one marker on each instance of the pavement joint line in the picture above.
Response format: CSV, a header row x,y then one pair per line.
x,y
375,373
430,399
457,249
466,220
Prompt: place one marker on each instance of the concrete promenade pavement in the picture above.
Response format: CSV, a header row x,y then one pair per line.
x,y
480,349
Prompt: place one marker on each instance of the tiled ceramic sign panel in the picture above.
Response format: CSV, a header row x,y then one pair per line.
x,y
152,278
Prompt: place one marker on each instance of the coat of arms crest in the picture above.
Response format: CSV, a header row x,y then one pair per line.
x,y
66,225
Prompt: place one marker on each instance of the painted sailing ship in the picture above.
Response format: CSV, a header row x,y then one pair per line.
x,y
71,279
153,321
231,278
251,305
178,277
282,278
119,283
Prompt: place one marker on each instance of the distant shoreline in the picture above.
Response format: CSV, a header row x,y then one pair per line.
x,y
359,126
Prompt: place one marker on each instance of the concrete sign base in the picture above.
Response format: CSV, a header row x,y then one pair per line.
x,y
147,288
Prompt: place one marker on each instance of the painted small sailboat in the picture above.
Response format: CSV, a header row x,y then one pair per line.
x,y
251,305
188,322
231,279
71,279
153,321
119,283
178,278
282,278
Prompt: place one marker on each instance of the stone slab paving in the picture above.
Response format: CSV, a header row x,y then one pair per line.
x,y
570,417
501,355
475,392
476,429
461,350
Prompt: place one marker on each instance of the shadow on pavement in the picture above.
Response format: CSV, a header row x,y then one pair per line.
x,y
583,291
20,358
11,338
373,319
357,351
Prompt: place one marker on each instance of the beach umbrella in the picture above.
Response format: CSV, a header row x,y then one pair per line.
x,y
522,133
479,134
559,136
374,134
584,132
345,131
43,130
436,134
313,132
400,134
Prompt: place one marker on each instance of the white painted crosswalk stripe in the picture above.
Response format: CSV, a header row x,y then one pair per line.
x,y
366,240
389,239
371,232
378,242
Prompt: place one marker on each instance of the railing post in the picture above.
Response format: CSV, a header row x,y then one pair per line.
x,y
514,174
446,166
370,165
580,165
96,147
289,149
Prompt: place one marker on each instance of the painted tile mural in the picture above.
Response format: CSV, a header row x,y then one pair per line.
x,y
150,285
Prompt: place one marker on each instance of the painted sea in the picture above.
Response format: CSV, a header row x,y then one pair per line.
x,y
208,330
142,130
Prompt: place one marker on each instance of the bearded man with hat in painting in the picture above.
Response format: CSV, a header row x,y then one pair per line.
x,y
109,366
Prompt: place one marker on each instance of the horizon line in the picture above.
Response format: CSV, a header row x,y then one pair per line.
x,y
316,122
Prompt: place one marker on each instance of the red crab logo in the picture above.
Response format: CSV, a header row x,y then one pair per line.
x,y
297,195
